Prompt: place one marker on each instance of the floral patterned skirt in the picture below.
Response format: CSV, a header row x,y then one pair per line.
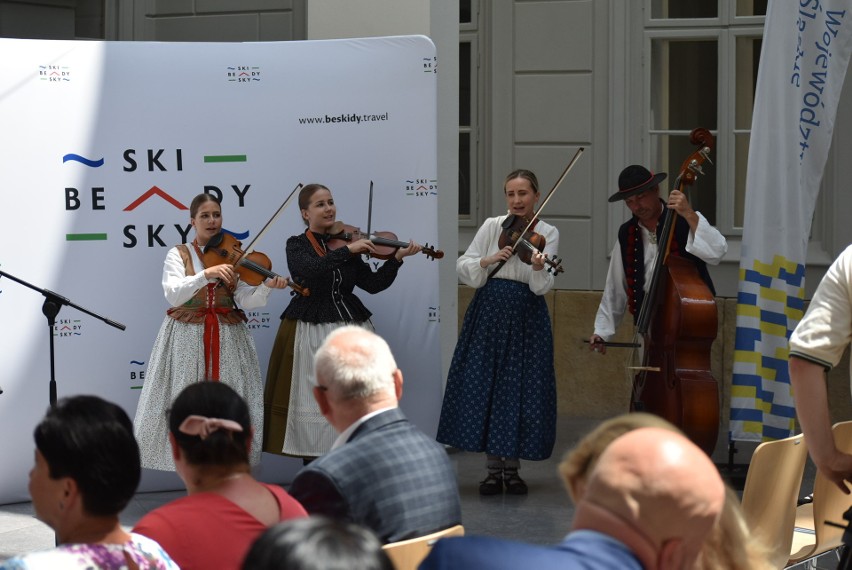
x,y
177,360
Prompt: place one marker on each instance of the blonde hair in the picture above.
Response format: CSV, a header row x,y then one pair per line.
x,y
579,461
730,544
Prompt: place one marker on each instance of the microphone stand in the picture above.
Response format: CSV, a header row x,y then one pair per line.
x,y
52,304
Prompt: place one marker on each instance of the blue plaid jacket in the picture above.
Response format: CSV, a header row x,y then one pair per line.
x,y
389,477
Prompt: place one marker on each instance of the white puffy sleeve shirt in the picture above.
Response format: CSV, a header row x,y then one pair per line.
x,y
485,243
179,287
707,243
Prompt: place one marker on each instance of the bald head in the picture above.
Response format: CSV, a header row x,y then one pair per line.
x,y
660,491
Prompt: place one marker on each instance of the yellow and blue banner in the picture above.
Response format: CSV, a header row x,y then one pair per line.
x,y
806,48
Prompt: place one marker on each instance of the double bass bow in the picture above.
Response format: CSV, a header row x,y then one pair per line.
x,y
677,325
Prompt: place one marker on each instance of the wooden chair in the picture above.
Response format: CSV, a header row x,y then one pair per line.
x,y
812,536
771,492
408,554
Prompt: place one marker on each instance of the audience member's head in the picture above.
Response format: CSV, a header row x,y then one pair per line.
x,y
86,462
211,425
580,460
729,544
355,374
317,543
656,492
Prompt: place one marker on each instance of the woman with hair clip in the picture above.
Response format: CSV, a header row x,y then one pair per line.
x,y
501,388
226,508
293,424
86,471
203,337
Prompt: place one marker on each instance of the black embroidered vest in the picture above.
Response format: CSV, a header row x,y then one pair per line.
x,y
633,255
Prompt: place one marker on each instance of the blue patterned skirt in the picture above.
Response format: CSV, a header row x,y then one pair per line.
x,y
501,388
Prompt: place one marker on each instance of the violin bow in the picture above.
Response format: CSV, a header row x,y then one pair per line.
x,y
370,212
268,224
534,217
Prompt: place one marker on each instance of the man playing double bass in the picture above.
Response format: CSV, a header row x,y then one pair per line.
x,y
633,257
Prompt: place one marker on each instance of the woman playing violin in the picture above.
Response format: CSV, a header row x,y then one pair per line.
x,y
203,337
501,389
293,424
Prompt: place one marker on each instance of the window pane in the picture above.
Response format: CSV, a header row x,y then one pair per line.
x,y
683,84
89,19
668,154
751,7
465,11
747,60
464,174
662,9
464,83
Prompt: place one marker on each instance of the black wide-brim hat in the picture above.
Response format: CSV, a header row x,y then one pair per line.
x,y
635,179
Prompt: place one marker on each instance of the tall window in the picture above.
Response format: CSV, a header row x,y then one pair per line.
x,y
468,111
703,72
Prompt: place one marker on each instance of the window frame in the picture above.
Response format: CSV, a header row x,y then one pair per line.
x,y
726,29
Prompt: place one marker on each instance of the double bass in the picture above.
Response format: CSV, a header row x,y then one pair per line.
x,y
677,324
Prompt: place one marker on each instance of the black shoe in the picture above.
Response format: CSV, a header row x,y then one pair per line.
x,y
493,485
514,484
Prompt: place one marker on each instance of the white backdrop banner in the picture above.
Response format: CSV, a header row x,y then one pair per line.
x,y
105,144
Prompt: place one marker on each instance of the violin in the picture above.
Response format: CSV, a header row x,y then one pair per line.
x,y
253,268
386,243
530,242
525,225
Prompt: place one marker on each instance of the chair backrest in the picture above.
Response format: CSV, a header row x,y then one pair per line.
x,y
830,502
408,554
813,536
771,493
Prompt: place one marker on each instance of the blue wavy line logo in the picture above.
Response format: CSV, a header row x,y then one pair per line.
x,y
83,160
137,362
239,235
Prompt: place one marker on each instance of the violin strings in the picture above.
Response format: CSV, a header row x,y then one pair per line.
x,y
258,268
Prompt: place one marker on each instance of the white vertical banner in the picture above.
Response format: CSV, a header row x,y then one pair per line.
x,y
806,48
105,144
